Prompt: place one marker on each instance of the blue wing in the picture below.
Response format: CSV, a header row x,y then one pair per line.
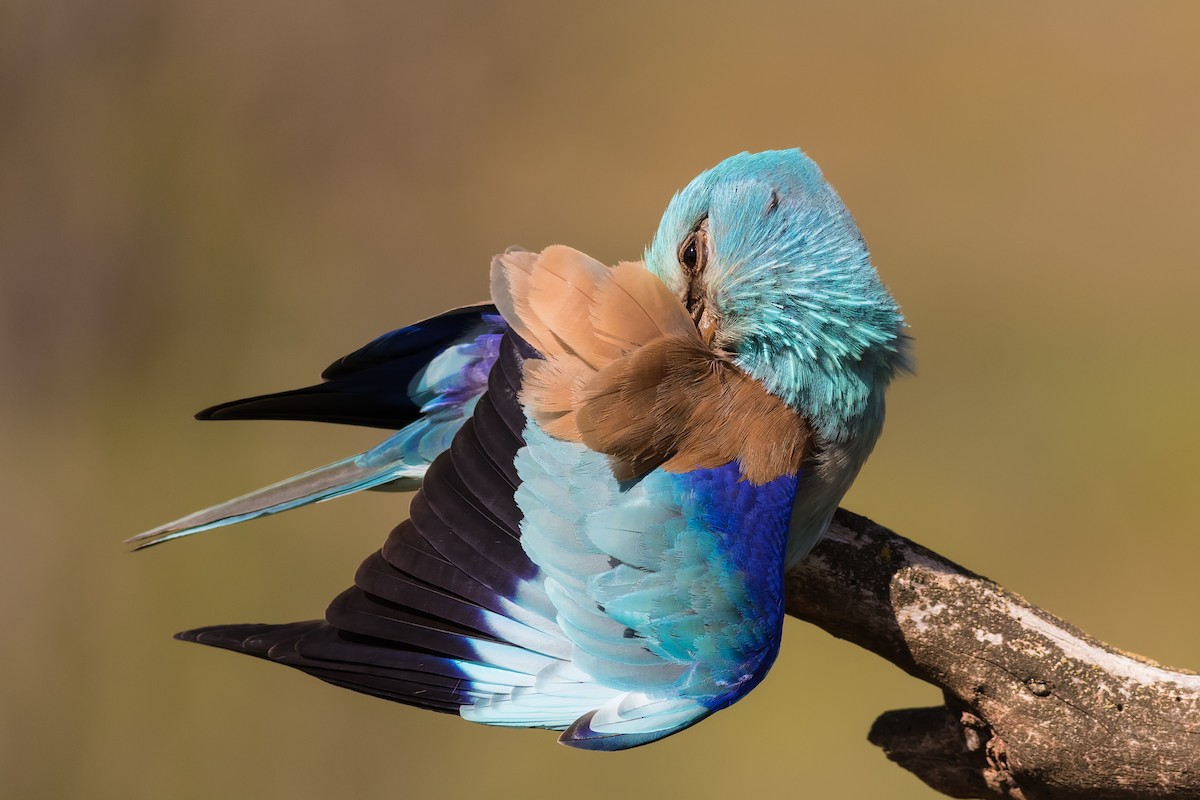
x,y
422,380
669,588
529,588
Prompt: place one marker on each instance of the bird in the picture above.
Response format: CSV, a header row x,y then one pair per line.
x,y
614,467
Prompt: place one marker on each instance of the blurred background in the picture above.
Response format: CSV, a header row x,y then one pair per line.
x,y
201,201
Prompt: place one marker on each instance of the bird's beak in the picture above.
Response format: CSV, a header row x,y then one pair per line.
x,y
707,325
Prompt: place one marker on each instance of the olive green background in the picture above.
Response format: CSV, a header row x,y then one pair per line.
x,y
200,201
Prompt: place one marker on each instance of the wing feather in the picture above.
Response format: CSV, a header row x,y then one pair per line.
x,y
531,586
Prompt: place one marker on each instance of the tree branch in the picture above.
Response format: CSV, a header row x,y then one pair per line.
x,y
1035,708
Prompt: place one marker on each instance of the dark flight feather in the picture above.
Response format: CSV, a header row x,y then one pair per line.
x,y
368,387
444,586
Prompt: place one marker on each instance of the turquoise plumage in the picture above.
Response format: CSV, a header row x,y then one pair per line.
x,y
615,476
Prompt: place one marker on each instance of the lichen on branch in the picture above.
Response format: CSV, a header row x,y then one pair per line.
x,y
1035,708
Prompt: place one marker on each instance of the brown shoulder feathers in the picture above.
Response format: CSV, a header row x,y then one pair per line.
x,y
626,372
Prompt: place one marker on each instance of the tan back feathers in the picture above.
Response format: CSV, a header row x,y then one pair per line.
x,y
626,372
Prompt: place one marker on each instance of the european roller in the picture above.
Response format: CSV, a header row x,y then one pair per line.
x,y
614,468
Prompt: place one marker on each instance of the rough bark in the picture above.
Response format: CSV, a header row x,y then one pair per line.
x,y
1035,708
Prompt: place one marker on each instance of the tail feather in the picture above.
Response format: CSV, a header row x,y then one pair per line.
x,y
424,380
324,483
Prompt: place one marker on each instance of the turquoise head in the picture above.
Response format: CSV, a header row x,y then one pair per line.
x,y
774,270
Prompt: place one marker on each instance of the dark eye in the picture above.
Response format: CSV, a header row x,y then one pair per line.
x,y
689,256
693,253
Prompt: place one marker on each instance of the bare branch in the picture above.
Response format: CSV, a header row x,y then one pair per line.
x,y
1035,708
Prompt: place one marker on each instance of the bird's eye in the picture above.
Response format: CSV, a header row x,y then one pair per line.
x,y
690,256
694,250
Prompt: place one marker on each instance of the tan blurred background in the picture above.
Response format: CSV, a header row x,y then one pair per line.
x,y
208,200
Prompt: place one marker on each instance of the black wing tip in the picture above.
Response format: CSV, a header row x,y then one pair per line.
x,y
212,412
228,636
277,405
349,664
318,403
254,639
261,406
